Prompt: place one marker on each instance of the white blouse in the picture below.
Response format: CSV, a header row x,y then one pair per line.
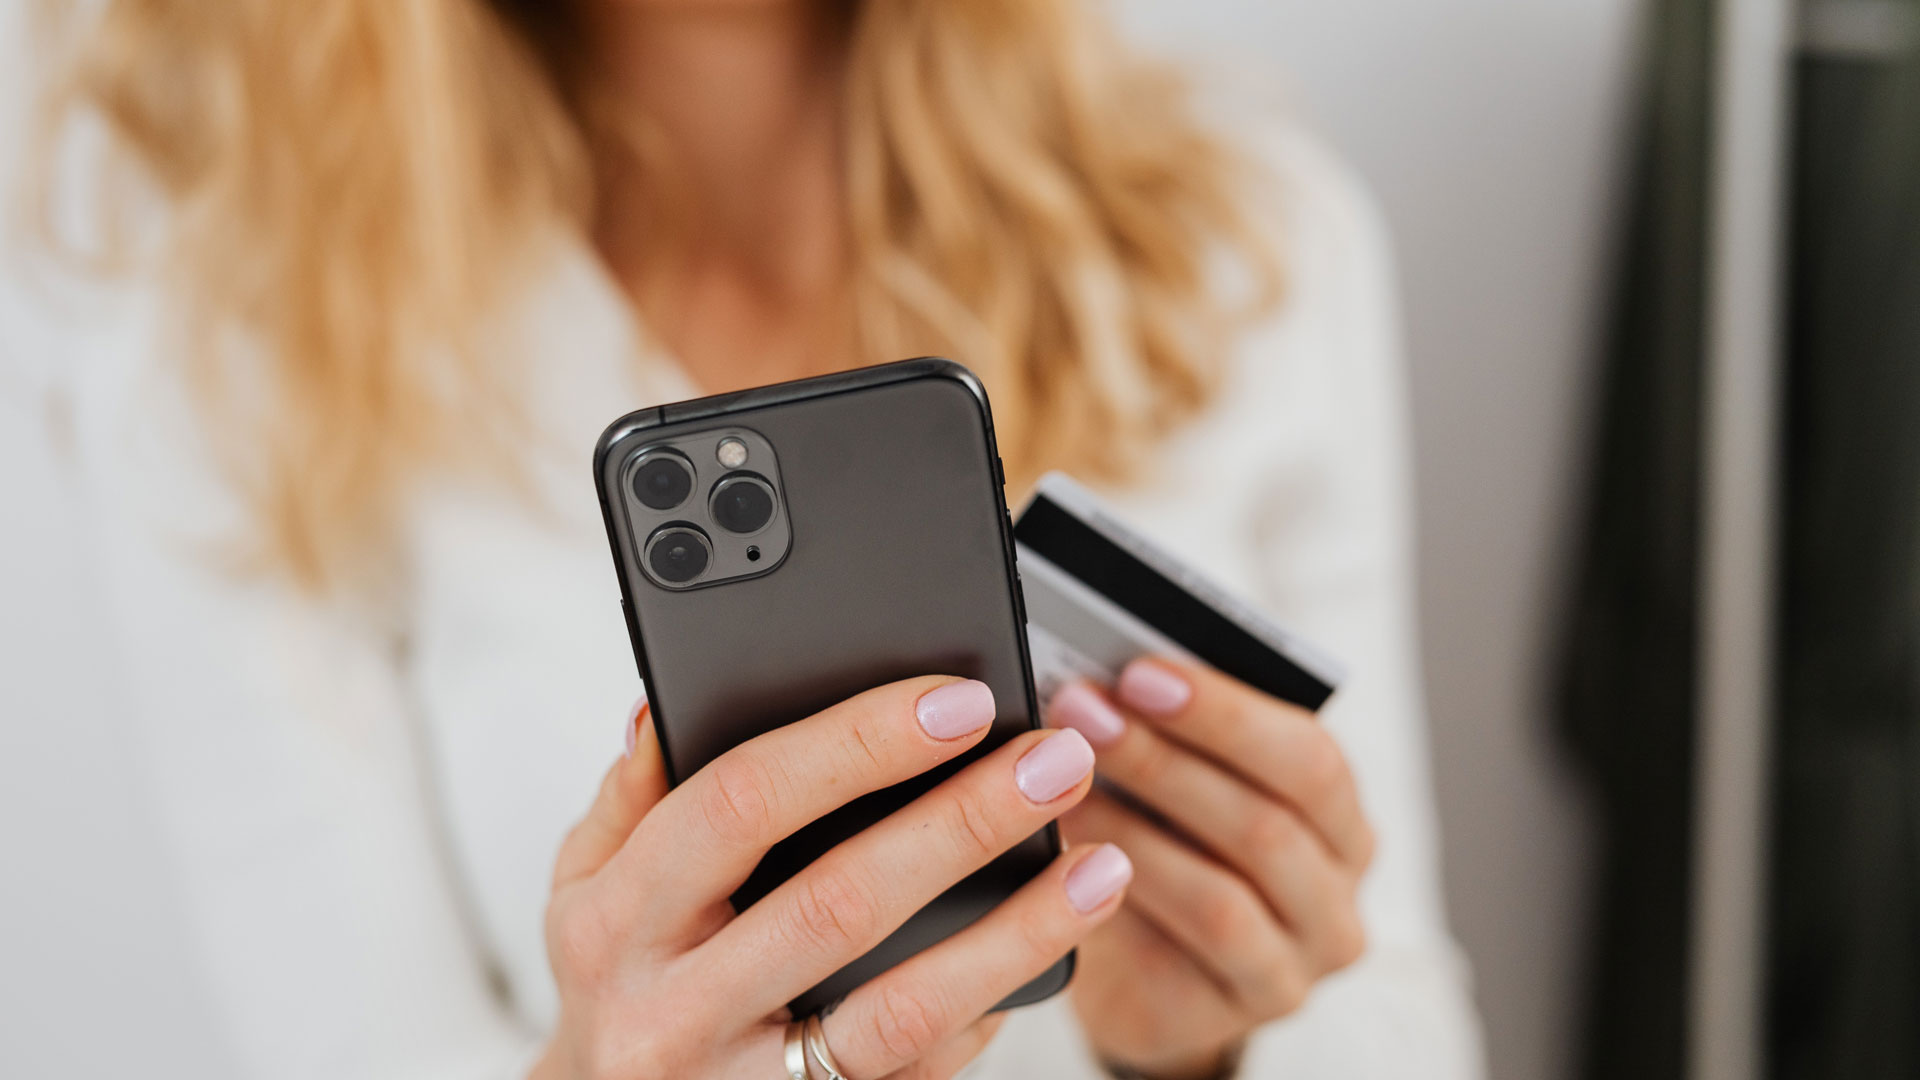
x,y
362,804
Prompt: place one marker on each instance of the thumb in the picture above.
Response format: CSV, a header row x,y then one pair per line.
x,y
633,785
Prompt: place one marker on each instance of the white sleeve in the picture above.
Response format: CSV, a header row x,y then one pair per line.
x,y
276,755
519,656
1331,532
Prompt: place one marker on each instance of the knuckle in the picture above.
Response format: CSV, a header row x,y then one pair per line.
x,y
831,912
578,941
569,844
904,1024
1144,765
1323,767
1270,833
866,744
1347,941
1227,916
1287,993
1369,845
1041,934
738,801
971,826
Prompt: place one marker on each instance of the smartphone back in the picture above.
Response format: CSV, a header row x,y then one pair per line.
x,y
890,557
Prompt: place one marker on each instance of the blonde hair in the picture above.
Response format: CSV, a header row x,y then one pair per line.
x,y
354,182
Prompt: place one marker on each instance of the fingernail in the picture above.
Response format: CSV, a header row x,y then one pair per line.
x,y
955,709
1153,688
633,725
1098,877
1080,707
1055,766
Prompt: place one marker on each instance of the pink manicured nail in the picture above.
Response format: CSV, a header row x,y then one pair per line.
x,y
1098,877
1055,766
955,709
1080,707
633,724
1152,688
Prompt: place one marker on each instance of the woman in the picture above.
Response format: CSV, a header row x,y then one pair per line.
x,y
409,256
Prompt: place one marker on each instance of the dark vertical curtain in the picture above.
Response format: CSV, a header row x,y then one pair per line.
x,y
1844,929
1843,895
1628,677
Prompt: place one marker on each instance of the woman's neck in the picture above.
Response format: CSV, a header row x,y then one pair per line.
x,y
735,245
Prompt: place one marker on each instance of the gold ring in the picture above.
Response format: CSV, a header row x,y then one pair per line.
x,y
795,1051
817,1045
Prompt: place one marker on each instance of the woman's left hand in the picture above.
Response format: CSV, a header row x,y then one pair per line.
x,y
1248,844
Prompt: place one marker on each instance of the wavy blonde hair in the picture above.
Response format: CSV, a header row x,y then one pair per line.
x,y
355,182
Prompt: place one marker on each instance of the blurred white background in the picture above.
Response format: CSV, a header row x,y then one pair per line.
x,y
1489,129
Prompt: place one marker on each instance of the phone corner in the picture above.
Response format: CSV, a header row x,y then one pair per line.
x,y
618,431
939,367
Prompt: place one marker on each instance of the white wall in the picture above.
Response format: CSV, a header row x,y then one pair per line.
x,y
1489,130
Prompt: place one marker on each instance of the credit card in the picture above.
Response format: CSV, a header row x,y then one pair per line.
x,y
1099,595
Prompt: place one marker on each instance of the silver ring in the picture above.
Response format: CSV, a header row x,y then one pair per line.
x,y
795,1051
817,1046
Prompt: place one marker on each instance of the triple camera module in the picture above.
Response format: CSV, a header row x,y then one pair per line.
x,y
736,530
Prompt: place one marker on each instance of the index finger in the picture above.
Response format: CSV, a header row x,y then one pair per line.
x,y
1278,747
715,827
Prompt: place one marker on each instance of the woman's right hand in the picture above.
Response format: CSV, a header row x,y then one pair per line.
x,y
659,977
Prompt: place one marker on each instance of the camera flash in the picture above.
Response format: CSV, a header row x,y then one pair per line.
x,y
732,453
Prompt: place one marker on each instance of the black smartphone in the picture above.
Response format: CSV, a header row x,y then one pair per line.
x,y
784,548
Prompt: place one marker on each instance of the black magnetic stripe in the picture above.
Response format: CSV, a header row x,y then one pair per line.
x,y
1116,573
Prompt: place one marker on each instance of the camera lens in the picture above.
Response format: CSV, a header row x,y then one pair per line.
x,y
742,504
677,554
663,481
